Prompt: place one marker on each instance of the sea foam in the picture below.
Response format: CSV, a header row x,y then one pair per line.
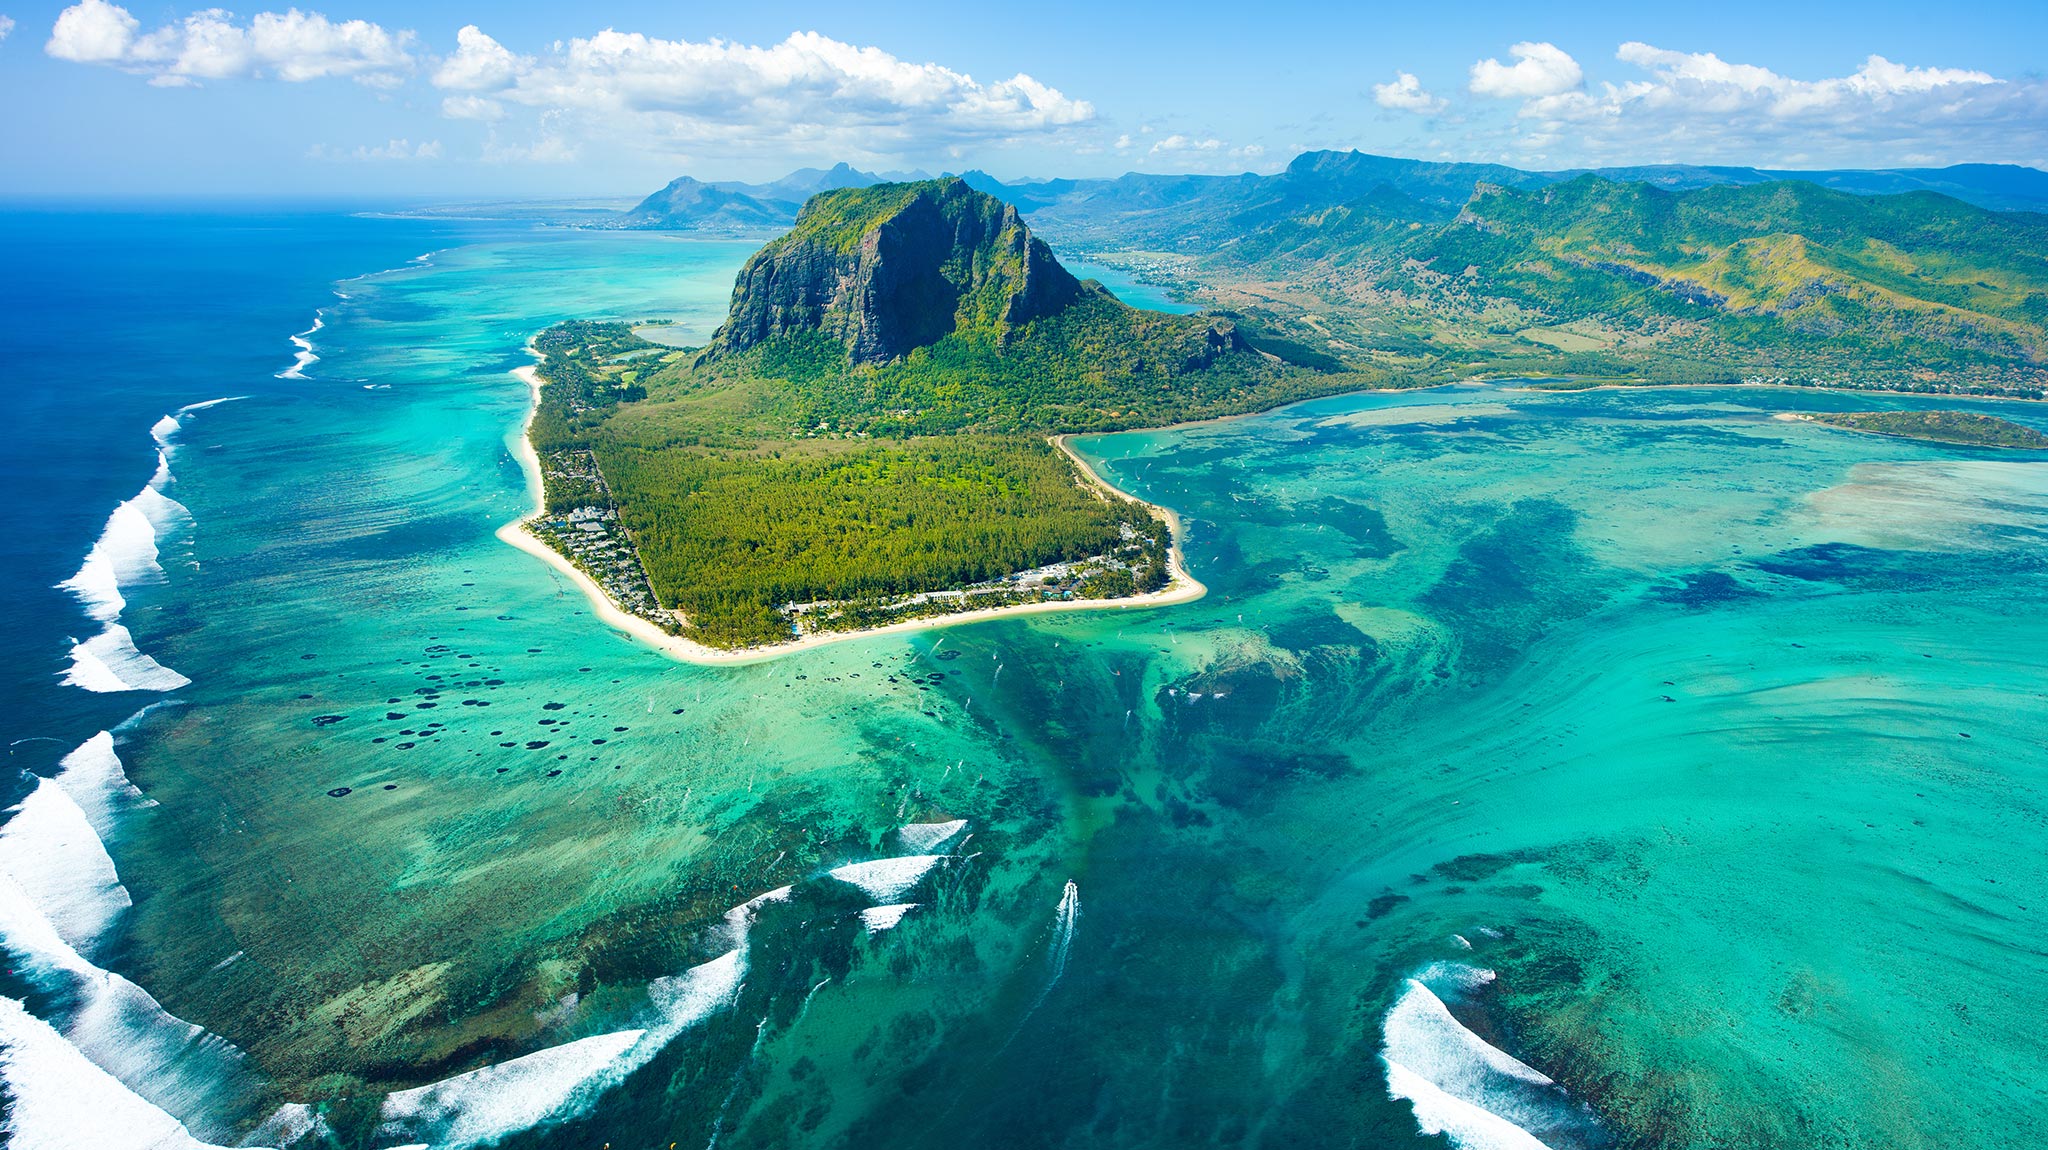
x,y
487,1105
109,662
54,856
305,357
127,555
924,838
59,1100
887,880
59,893
1465,1088
880,918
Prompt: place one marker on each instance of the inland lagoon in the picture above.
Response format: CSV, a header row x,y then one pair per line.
x,y
1594,768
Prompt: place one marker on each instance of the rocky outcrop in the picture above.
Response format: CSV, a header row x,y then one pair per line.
x,y
894,267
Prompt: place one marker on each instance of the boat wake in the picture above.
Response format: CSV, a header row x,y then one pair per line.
x,y
1465,1088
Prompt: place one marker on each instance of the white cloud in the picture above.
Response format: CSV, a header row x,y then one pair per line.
x,y
1202,153
92,32
1697,107
1406,93
808,92
1540,69
6,26
210,45
479,63
363,153
472,108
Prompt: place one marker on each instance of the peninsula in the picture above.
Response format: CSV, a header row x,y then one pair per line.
x,y
873,439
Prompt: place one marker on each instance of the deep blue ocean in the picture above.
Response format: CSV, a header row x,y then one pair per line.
x,y
109,320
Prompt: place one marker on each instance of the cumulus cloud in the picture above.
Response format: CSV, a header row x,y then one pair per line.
x,y
479,63
808,91
1540,69
1406,93
293,46
6,26
1698,107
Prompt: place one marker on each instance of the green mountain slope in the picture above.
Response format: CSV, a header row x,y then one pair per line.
x,y
869,426
1763,279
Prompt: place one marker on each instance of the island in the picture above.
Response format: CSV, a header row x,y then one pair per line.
x,y
875,438
1959,427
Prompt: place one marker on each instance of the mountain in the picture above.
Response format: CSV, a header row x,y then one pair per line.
x,y
1201,213
893,267
1596,278
804,183
692,204
1789,260
872,422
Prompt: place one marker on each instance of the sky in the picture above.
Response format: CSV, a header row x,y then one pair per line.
x,y
611,98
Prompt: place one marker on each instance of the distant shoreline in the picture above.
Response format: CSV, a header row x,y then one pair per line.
x,y
1181,586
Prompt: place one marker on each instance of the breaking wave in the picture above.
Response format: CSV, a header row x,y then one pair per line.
x,y
486,1105
1464,1087
305,356
887,880
58,1098
880,918
59,895
128,554
108,662
924,838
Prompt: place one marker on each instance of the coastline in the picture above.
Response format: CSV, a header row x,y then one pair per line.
x,y
1180,588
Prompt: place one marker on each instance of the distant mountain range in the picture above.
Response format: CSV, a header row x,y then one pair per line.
x,y
1198,213
687,204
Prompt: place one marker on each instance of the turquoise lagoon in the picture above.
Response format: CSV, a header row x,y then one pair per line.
x,y
1600,768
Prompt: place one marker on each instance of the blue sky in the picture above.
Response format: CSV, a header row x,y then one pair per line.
x,y
363,97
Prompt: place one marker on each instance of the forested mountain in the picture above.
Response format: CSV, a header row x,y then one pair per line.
x,y
869,425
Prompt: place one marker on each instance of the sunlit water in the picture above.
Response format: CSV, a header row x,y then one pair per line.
x,y
1605,768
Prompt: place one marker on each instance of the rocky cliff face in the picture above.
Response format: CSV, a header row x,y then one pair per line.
x,y
891,268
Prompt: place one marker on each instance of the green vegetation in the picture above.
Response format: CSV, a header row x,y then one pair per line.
x,y
1780,282
792,476
1939,427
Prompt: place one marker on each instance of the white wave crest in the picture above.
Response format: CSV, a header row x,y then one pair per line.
x,y
59,892
108,662
305,356
485,1105
887,880
924,838
1465,1088
51,851
880,918
59,1100
125,554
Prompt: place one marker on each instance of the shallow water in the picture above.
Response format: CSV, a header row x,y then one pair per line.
x,y
1715,737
